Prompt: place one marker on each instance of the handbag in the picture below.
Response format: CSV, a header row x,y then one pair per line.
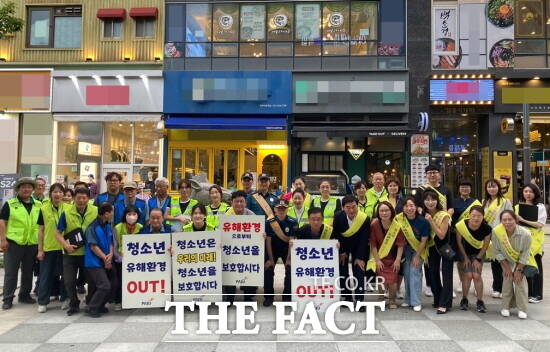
x,y
530,271
446,251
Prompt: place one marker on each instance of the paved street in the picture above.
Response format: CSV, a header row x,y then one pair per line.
x,y
22,329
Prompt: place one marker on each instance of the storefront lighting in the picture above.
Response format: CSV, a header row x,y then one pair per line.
x,y
447,155
457,76
464,150
518,141
89,59
536,78
449,76
504,78
435,76
464,115
157,59
479,76
487,76
126,59
273,146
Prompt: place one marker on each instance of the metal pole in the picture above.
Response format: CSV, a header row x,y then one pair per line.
x,y
526,146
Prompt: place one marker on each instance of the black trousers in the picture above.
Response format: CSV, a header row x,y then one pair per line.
x,y
100,285
441,276
16,257
269,275
229,292
496,268
71,265
534,284
116,290
346,284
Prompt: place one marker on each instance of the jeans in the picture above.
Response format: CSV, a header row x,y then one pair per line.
x,y
71,265
496,268
441,276
50,277
99,293
18,256
412,278
535,283
269,275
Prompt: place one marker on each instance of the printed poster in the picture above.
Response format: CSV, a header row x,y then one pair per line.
x,y
308,22
445,30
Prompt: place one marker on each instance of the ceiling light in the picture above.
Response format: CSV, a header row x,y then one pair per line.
x,y
536,77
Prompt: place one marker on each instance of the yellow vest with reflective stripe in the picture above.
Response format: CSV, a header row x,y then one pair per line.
x,y
121,230
189,227
51,219
212,219
75,221
329,211
372,200
175,209
22,227
301,221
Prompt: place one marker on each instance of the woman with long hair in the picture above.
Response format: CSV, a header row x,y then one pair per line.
x,y
198,220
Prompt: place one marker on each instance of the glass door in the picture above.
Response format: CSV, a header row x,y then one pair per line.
x,y
455,167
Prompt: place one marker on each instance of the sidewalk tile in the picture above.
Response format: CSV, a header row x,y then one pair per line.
x,y
536,346
66,347
471,331
186,347
429,346
490,346
306,347
248,347
30,334
517,329
18,347
414,330
85,333
139,332
362,346
126,347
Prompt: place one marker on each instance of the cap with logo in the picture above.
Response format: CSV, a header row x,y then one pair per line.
x,y
263,177
283,203
130,185
247,175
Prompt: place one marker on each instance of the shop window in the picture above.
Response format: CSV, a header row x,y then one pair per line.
x,y
187,163
112,28
198,22
279,49
530,19
324,162
146,144
225,50
250,159
118,142
54,27
219,167
225,19
145,27
145,177
308,30
233,169
175,26
280,20
177,170
273,166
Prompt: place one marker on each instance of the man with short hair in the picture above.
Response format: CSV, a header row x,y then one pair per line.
x,y
433,175
262,199
113,194
130,193
376,192
247,180
161,199
98,256
71,228
40,190
315,229
156,223
19,241
351,229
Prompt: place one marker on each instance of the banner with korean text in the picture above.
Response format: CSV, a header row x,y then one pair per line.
x,y
243,249
196,266
146,271
315,270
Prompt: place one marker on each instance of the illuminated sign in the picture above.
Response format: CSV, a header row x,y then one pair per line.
x,y
462,90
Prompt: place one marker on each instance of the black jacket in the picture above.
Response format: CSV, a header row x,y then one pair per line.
x,y
356,245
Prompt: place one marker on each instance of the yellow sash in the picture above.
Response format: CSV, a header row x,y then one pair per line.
x,y
537,236
462,229
355,224
230,211
442,198
386,245
327,232
492,210
401,219
438,219
466,213
502,236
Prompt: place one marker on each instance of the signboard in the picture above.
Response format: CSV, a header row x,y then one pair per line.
x,y
7,182
462,90
89,149
445,30
420,150
243,249
503,171
87,169
146,271
26,91
314,273
196,266
420,144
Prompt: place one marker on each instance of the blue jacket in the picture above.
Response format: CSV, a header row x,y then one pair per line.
x,y
253,205
120,206
153,204
146,230
104,197
100,235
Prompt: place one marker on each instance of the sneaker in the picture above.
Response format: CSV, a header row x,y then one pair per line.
x,y
65,304
505,313
480,307
417,308
7,305
54,298
26,300
42,309
454,294
522,315
103,310
428,292
405,305
496,294
73,310
464,304
268,302
117,307
534,300
400,295
92,313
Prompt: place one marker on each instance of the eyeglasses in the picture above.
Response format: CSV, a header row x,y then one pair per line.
x,y
432,172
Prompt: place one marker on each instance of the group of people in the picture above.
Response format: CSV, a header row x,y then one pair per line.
x,y
380,232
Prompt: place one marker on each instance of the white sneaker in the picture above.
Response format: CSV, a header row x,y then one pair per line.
x,y
428,292
118,307
454,294
417,308
534,300
496,294
400,295
505,313
65,305
522,315
42,309
405,305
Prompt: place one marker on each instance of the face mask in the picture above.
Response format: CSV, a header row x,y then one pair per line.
x,y
131,219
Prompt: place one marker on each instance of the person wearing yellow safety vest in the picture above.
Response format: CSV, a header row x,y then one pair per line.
x,y
386,243
351,229
530,196
360,189
315,229
81,277
494,204
71,229
512,248
40,190
18,241
376,192
179,213
198,220
299,182
299,210
328,204
128,226
216,207
440,266
50,251
393,196
416,230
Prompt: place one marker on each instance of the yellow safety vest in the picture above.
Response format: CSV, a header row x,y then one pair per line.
x,y
22,227
212,219
330,209
175,209
51,218
189,227
307,201
537,236
75,221
121,230
372,200
303,220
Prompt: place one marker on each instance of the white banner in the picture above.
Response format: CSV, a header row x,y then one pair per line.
x,y
243,249
445,30
146,274
196,265
314,273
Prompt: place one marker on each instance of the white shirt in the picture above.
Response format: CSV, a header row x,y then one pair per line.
x,y
350,221
542,214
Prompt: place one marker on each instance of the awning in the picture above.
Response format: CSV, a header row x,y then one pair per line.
x,y
114,117
144,12
227,123
111,13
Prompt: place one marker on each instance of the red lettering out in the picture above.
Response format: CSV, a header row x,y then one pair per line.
x,y
143,286
314,291
311,291
301,291
162,289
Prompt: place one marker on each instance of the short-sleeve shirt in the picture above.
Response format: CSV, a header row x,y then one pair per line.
x,y
479,234
441,189
288,226
420,226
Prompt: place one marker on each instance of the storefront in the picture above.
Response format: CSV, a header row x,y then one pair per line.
x,y
351,122
222,124
107,121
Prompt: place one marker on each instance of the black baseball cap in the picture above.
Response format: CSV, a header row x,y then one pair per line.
x,y
247,175
283,203
263,177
